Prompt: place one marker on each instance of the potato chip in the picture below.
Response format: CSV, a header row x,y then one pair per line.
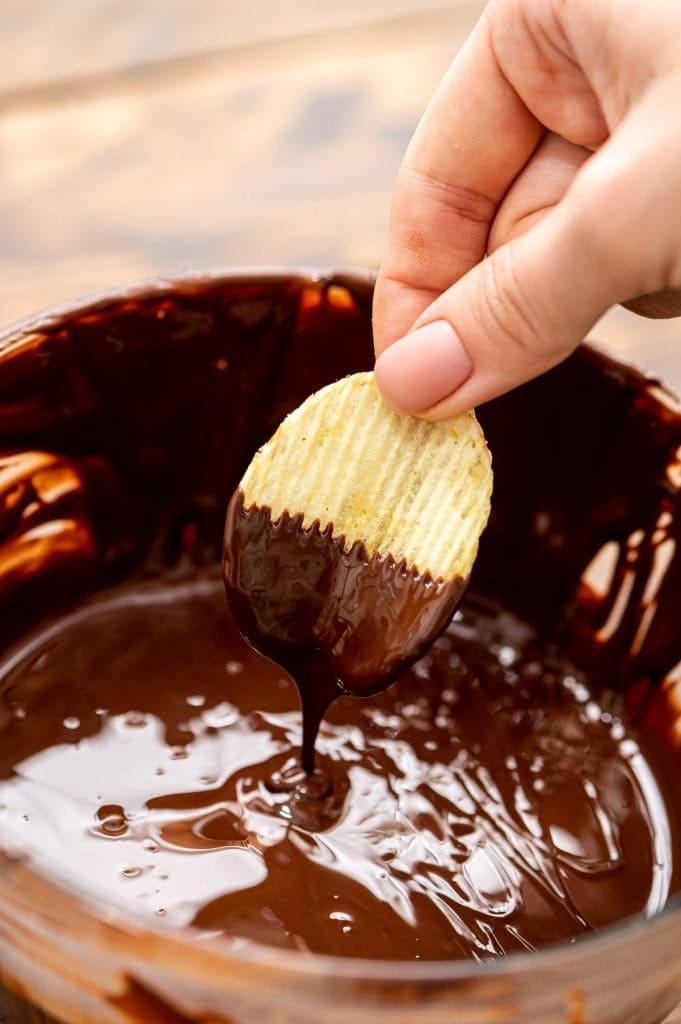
x,y
417,491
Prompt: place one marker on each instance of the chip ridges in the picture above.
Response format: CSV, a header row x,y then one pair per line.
x,y
413,490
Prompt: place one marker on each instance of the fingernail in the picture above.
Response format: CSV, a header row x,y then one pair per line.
x,y
423,367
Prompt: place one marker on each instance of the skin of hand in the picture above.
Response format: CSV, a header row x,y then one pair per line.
x,y
542,186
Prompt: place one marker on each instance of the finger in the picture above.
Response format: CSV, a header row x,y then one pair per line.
x,y
471,143
516,74
519,312
539,187
535,192
512,317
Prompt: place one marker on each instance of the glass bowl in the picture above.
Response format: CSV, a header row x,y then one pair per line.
x,y
585,458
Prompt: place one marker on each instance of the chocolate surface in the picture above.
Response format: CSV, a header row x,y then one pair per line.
x,y
338,620
486,803
143,413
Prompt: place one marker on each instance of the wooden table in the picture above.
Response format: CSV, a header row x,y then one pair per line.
x,y
142,138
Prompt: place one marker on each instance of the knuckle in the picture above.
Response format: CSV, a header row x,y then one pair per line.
x,y
457,200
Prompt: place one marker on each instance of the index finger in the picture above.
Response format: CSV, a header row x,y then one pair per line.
x,y
474,138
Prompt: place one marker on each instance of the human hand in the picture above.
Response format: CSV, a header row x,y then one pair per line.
x,y
553,148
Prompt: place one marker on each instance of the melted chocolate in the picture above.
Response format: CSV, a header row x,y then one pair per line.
x,y
340,621
487,803
124,428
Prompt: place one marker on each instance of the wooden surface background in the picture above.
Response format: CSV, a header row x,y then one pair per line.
x,y
139,137
144,136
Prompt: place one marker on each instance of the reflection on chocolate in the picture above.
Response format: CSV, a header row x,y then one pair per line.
x,y
487,803
518,785
339,621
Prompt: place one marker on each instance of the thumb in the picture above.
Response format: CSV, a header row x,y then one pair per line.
x,y
512,317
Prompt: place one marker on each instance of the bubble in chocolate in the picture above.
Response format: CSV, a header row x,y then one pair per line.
x,y
135,720
111,821
222,715
208,778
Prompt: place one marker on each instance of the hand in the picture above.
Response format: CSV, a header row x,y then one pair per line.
x,y
542,186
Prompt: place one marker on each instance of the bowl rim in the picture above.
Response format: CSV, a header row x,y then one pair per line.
x,y
158,286
128,921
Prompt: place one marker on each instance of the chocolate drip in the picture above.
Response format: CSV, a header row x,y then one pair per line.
x,y
338,619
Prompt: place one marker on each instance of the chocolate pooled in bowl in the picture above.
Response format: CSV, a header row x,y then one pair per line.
x,y
517,788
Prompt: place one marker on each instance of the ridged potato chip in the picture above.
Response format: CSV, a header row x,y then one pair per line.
x,y
417,491
350,540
